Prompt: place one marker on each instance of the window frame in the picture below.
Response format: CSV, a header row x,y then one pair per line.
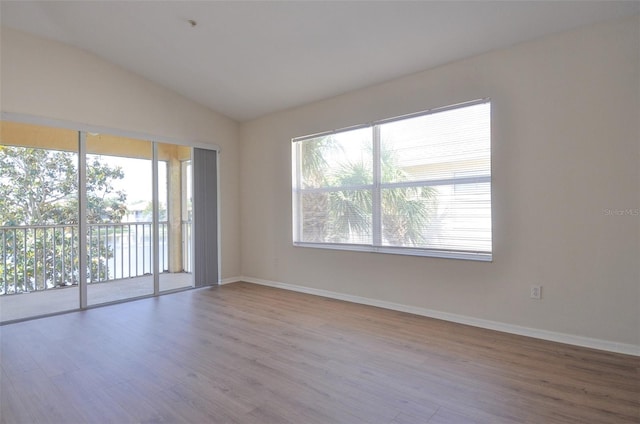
x,y
377,186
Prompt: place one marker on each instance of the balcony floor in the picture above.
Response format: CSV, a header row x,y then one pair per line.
x,y
25,305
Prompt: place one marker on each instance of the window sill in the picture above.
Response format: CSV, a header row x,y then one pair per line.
x,y
408,251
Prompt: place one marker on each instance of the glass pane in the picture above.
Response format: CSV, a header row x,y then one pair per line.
x,y
38,221
174,195
448,217
435,146
119,218
406,213
336,217
337,160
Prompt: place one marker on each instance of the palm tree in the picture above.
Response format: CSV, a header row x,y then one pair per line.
x,y
351,210
406,211
315,206
345,216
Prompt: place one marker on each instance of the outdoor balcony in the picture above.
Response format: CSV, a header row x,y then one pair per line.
x,y
39,271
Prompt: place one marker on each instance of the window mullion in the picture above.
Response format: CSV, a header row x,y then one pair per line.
x,y
376,204
296,197
155,221
433,183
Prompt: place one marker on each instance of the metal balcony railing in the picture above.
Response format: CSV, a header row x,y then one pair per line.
x,y
41,257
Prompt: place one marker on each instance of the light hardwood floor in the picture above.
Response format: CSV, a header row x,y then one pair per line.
x,y
244,353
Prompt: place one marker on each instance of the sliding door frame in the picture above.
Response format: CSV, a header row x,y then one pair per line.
x,y
155,219
83,130
82,219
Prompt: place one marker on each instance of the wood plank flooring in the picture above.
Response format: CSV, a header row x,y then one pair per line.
x,y
243,353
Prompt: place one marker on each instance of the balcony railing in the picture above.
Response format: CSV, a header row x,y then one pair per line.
x,y
42,257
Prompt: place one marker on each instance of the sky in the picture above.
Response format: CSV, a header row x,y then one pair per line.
x,y
137,180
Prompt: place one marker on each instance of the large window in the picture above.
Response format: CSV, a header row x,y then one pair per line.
x,y
415,185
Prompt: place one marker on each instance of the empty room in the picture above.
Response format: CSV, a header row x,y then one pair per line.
x,y
315,212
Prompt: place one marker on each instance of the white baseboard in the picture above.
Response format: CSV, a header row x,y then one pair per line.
x,y
229,280
605,345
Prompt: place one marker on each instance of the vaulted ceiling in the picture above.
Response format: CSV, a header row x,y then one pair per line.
x,y
246,59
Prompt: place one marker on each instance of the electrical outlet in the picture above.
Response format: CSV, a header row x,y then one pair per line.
x,y
536,292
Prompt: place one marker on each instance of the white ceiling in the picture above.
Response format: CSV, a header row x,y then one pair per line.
x,y
247,59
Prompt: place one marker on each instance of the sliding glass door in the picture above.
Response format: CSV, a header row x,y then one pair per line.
x,y
39,238
174,212
119,216
89,218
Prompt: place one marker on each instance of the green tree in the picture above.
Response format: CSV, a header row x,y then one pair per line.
x,y
350,211
39,217
341,216
315,205
406,211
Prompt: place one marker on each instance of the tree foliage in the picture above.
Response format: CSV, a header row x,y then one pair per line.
x,y
40,187
39,217
341,216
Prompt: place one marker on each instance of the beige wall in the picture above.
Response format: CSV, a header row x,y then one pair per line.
x,y
566,147
44,78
